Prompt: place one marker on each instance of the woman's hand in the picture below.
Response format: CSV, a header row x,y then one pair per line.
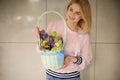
x,y
37,31
68,59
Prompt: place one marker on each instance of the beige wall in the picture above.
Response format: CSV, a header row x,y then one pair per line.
x,y
18,57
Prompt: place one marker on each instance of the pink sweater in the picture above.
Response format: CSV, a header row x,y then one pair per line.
x,y
77,44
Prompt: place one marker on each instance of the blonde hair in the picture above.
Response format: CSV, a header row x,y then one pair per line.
x,y
85,22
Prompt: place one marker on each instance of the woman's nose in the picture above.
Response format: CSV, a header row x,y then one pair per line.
x,y
72,14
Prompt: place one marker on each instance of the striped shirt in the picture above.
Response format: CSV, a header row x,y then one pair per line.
x,y
63,75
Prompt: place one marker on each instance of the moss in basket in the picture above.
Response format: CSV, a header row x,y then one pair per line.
x,y
54,34
58,46
45,43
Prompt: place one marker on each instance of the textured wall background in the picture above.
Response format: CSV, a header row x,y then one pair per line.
x,y
18,57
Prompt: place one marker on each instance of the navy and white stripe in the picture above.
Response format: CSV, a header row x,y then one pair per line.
x,y
63,75
79,60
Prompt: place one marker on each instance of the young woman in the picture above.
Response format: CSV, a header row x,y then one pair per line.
x,y
77,46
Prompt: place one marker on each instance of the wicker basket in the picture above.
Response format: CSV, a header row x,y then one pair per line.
x,y
50,59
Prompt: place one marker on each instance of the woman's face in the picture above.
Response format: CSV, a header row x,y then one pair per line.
x,y
73,13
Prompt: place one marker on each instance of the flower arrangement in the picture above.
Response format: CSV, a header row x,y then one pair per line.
x,y
51,41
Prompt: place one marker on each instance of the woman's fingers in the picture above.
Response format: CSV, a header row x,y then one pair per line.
x,y
37,31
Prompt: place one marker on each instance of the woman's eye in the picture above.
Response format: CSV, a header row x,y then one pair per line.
x,y
78,13
71,9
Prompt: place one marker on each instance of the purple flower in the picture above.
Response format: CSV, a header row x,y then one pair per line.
x,y
51,41
43,36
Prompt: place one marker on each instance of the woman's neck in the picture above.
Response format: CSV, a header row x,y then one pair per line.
x,y
73,26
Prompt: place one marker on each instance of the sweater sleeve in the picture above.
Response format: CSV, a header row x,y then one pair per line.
x,y
86,53
51,26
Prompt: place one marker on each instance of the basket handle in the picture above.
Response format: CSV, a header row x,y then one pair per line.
x,y
55,12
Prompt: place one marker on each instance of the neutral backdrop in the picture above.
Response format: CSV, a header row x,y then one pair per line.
x,y
19,59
